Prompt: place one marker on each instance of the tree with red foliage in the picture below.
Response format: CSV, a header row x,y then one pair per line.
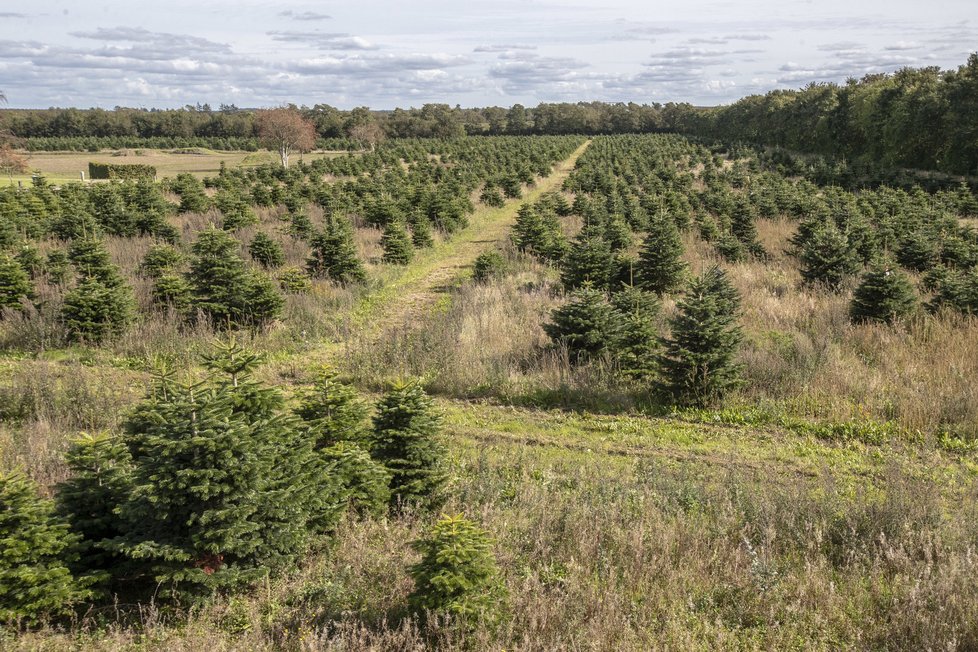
x,y
285,130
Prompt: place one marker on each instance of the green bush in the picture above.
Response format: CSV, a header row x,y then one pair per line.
x,y
457,575
35,550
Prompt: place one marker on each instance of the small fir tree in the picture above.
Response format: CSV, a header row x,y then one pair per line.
x,y
15,284
421,231
35,581
266,252
488,265
334,254
457,575
884,294
636,346
171,291
697,364
396,244
827,258
293,280
94,312
660,265
584,325
160,259
333,412
100,482
405,440
589,260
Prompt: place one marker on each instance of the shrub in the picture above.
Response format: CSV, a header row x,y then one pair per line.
x,y
697,365
35,582
160,259
488,265
94,311
265,251
585,325
884,294
660,266
827,257
334,254
15,284
128,171
405,440
396,243
457,575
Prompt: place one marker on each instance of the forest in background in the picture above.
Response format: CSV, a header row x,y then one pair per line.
x,y
920,118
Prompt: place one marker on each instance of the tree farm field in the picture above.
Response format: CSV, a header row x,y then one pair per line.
x,y
64,167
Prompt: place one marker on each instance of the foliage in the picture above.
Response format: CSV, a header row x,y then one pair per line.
x,y
130,171
95,311
660,266
265,251
15,284
884,294
697,365
405,439
35,582
398,249
334,254
488,265
827,257
457,574
584,325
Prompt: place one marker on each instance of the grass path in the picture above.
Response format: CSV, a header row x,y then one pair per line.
x,y
405,292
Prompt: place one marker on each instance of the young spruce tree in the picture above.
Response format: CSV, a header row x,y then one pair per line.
x,y
884,294
405,439
697,365
35,581
334,254
660,265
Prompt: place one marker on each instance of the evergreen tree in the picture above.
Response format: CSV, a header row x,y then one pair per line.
x,y
488,265
58,267
636,346
743,225
884,294
36,547
617,233
457,575
223,287
363,483
263,302
171,290
827,257
15,284
225,482
334,254
100,482
159,260
660,265
236,211
957,290
92,260
919,251
396,244
333,412
585,325
265,251
589,260
293,280
538,234
697,365
405,440
93,311
421,231
193,199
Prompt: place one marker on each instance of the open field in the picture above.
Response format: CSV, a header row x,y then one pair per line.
x,y
829,502
63,167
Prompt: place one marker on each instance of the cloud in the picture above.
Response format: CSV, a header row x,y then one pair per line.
x,y
12,14
159,41
503,48
324,41
304,15
519,72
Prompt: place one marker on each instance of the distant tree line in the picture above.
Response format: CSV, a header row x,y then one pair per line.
x,y
921,118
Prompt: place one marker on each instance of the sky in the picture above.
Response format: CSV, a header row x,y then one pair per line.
x,y
384,54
